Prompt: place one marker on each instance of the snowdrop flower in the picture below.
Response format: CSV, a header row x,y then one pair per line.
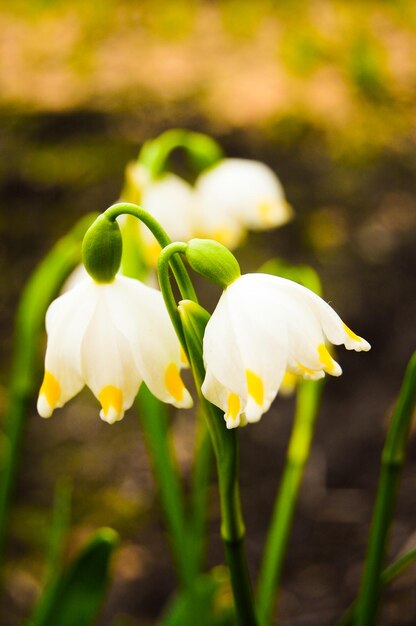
x,y
110,336
239,194
264,326
169,199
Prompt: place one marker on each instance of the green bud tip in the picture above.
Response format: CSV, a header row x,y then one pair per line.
x,y
213,260
101,249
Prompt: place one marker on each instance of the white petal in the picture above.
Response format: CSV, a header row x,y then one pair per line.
x,y
247,190
219,395
66,321
333,327
245,346
308,354
140,313
107,361
171,201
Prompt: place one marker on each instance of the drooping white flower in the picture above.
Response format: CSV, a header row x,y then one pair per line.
x,y
239,194
111,337
262,327
171,201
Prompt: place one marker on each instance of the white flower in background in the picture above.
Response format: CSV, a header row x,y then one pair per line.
x,y
239,194
262,327
170,200
111,337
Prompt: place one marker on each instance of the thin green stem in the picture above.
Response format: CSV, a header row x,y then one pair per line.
x,y
274,553
36,296
225,444
153,417
127,208
202,149
392,461
388,575
165,259
199,492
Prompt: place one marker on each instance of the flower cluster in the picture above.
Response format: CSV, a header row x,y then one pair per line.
x,y
230,198
112,336
111,333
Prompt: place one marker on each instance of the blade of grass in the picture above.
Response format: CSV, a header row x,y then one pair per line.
x,y
76,596
58,530
307,406
388,575
393,458
154,421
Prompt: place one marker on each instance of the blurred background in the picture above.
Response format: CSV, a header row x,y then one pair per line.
x,y
323,91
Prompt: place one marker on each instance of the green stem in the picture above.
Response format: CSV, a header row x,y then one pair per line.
x,y
224,441
202,149
199,492
181,276
59,528
388,575
153,417
35,299
393,459
308,397
225,446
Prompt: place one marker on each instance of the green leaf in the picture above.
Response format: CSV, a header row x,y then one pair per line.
x,y
76,596
210,601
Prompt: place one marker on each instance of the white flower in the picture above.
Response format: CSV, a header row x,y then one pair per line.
x,y
239,194
264,326
171,201
111,337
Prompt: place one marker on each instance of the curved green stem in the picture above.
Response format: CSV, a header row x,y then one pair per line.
x,y
165,258
202,149
127,208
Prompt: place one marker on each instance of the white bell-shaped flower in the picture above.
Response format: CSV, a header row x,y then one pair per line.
x,y
263,327
171,201
111,337
239,194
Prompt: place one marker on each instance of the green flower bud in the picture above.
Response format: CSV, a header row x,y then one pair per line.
x,y
101,249
213,260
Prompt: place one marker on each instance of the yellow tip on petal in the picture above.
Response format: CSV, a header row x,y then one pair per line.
x,y
354,341
329,365
351,334
255,387
233,408
174,383
111,399
233,405
51,391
